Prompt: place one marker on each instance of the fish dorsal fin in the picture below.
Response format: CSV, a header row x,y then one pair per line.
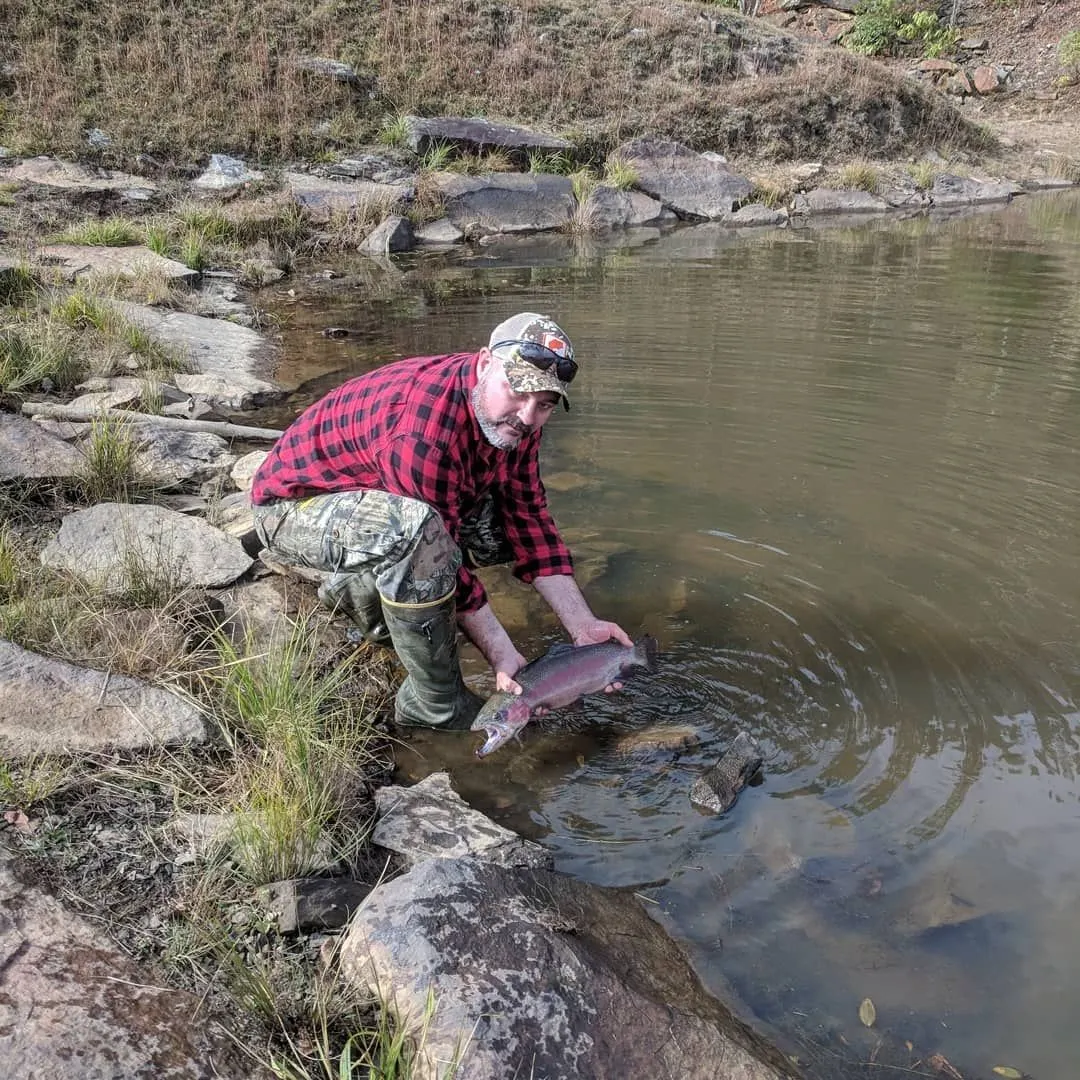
x,y
559,648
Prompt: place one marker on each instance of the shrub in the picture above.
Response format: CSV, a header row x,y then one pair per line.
x,y
888,28
1069,54
874,29
923,28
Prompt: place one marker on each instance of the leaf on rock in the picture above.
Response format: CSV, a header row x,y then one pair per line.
x,y
867,1012
1008,1072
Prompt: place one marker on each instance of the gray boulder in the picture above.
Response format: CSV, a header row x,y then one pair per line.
x,y
335,70
385,168
949,190
838,201
212,346
109,544
443,231
430,820
29,452
74,177
611,208
536,974
48,706
78,259
324,199
393,233
226,172
758,214
506,202
172,457
692,185
476,134
74,1007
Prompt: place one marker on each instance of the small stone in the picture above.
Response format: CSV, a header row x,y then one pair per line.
x,y
985,79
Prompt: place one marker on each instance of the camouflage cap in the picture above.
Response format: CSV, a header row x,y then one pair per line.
x,y
522,375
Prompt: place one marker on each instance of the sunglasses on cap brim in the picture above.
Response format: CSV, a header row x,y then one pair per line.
x,y
540,356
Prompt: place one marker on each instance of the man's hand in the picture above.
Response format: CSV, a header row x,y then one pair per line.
x,y
598,631
506,667
565,599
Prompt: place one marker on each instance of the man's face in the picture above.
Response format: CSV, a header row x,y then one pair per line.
x,y
504,415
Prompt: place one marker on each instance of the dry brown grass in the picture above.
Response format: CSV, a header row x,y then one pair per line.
x,y
184,79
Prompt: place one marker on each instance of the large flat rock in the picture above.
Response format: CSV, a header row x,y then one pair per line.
x,y
536,974
693,185
506,202
477,134
213,346
49,706
110,544
74,1007
125,261
72,176
323,198
28,452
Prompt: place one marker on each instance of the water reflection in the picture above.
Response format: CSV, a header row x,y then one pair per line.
x,y
835,471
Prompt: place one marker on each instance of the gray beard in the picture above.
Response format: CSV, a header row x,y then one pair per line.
x,y
489,427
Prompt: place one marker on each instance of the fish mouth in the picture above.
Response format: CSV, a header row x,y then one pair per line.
x,y
496,737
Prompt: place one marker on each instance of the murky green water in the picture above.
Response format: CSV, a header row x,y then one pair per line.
x,y
837,473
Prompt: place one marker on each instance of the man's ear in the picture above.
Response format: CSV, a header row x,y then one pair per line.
x,y
483,362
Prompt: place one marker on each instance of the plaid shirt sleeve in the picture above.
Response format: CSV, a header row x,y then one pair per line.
x,y
530,528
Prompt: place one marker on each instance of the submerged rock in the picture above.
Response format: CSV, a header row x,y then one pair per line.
x,y
718,789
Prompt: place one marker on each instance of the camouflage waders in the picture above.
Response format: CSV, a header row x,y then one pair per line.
x,y
393,570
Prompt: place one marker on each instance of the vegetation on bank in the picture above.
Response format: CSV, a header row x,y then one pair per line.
x,y
174,82
294,746
294,749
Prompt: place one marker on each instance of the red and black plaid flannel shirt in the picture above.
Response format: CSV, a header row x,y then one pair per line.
x,y
408,428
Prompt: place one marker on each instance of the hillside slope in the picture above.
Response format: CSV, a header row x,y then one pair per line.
x,y
180,80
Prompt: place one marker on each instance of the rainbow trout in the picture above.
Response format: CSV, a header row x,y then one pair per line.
x,y
562,675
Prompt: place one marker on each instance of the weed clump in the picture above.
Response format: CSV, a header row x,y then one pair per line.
x,y
893,28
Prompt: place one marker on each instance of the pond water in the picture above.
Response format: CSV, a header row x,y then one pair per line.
x,y
836,471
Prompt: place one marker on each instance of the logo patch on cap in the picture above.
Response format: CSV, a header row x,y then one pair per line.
x,y
559,346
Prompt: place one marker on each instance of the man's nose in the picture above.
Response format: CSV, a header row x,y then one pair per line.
x,y
529,412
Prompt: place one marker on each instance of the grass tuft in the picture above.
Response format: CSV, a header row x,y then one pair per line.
x,y
18,285
111,470
301,739
437,157
924,173
559,162
861,176
619,174
36,351
111,232
394,131
769,194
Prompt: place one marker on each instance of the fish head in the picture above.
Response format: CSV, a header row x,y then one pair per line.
x,y
502,717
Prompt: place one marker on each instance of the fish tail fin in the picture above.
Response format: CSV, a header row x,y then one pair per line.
x,y
645,651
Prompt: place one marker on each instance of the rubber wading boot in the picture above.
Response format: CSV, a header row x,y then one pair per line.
x,y
356,596
433,694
